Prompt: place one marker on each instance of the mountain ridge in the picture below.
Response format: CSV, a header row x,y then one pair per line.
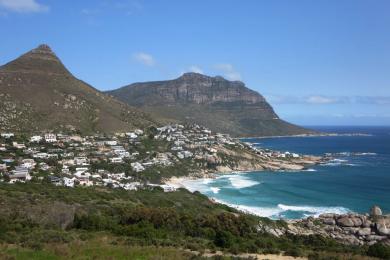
x,y
222,105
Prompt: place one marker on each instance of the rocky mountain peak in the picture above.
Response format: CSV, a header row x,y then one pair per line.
x,y
43,48
40,59
193,76
43,51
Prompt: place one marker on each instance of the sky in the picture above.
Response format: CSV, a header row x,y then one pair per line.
x,y
323,62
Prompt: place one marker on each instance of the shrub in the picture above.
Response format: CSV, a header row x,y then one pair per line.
x,y
379,250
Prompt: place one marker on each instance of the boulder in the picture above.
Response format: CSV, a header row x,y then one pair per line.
x,y
364,231
367,223
382,230
375,211
357,222
345,222
329,221
375,238
327,215
382,226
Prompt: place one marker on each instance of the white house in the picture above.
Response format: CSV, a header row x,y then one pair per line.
x,y
68,182
85,181
20,174
50,138
116,160
18,146
28,163
35,139
139,132
81,161
7,135
137,167
132,135
80,171
111,142
168,188
41,155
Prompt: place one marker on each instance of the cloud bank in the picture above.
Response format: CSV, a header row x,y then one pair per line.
x,y
23,6
327,100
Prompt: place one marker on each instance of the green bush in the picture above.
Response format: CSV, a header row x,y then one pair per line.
x,y
379,250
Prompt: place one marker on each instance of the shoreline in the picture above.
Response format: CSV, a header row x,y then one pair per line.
x,y
304,135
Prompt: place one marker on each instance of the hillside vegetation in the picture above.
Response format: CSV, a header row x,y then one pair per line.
x,y
46,221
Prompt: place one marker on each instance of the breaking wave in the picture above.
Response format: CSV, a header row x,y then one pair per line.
x,y
281,210
215,190
352,154
339,162
240,181
314,211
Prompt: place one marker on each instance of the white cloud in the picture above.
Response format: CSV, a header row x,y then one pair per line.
x,y
228,71
195,69
144,58
321,100
23,6
327,100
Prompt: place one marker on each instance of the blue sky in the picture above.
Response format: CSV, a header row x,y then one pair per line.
x,y
317,62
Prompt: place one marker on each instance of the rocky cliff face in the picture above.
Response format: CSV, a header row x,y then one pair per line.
x,y
195,88
221,105
38,93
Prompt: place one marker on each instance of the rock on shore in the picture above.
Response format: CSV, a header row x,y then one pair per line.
x,y
352,228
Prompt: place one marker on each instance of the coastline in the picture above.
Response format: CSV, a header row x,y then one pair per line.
x,y
304,135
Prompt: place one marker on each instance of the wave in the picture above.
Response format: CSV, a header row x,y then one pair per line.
x,y
348,154
363,154
310,170
339,164
239,182
339,160
281,209
200,185
258,211
215,190
314,211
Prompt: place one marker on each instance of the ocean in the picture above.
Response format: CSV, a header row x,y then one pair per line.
x,y
357,178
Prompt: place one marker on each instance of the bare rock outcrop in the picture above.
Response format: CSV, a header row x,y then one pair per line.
x,y
352,228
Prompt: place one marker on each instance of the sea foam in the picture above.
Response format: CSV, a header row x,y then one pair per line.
x,y
314,211
278,211
240,182
215,190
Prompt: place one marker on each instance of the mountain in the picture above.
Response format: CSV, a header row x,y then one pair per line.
x,y
221,105
38,93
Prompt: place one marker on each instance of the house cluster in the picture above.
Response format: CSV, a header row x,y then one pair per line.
x,y
70,160
117,161
267,153
120,160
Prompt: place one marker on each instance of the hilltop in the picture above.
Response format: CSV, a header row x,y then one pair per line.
x,y
38,93
221,105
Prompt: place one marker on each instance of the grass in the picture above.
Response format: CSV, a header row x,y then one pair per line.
x,y
98,248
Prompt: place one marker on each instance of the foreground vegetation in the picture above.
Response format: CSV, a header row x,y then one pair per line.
x,y
39,221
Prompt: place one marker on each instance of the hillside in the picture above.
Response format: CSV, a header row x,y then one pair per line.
x,y
221,105
42,221
38,93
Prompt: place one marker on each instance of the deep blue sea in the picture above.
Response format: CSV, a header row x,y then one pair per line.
x,y
356,179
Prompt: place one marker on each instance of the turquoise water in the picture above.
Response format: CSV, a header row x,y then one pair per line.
x,y
358,178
